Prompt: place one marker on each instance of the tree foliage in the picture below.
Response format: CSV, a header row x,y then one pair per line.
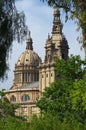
x,y
13,123
12,27
49,122
66,97
78,99
6,109
8,119
74,9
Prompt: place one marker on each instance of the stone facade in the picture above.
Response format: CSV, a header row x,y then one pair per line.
x,y
26,97
31,75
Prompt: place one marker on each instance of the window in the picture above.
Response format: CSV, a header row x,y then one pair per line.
x,y
28,76
51,74
42,76
46,75
25,97
13,98
36,76
23,77
63,56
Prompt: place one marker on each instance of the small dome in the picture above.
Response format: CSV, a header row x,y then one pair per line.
x,y
29,57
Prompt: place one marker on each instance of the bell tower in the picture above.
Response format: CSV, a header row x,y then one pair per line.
x,y
56,47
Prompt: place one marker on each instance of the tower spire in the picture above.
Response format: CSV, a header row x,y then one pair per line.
x,y
29,42
57,26
29,34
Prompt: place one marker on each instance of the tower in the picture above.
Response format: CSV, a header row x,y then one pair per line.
x,y
56,47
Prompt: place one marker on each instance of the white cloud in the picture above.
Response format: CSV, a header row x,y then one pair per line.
x,y
24,4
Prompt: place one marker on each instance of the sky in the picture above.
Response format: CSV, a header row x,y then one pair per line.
x,y
39,18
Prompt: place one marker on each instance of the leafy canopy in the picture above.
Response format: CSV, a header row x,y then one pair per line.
x,y
49,122
66,96
8,119
12,27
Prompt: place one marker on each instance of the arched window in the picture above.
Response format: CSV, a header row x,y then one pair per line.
x,y
36,76
13,98
25,97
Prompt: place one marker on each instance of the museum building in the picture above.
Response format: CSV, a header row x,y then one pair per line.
x,y
31,75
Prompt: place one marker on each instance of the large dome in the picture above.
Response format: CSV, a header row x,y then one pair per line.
x,y
26,69
29,57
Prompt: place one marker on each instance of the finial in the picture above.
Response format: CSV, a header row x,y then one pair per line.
x,y
29,42
29,34
48,36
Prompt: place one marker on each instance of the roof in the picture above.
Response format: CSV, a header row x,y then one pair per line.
x,y
28,57
30,86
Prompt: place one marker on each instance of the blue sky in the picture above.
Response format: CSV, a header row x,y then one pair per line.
x,y
39,19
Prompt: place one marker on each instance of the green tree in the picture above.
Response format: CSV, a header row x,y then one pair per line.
x,y
12,27
8,119
49,122
6,109
45,122
56,100
61,97
13,123
78,98
74,9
